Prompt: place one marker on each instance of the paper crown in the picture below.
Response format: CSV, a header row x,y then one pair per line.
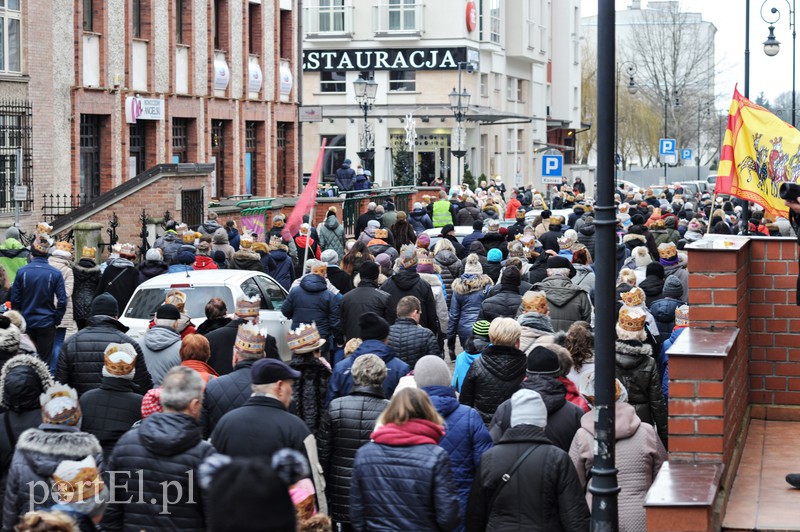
x,y
682,315
41,243
76,481
248,307
424,258
275,242
88,253
631,319
535,302
246,241
44,227
127,249
119,359
60,405
250,339
319,268
634,297
667,250
64,245
177,298
304,339
304,229
381,233
116,248
188,237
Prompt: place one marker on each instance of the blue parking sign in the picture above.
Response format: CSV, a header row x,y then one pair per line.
x,y
552,165
667,146
686,154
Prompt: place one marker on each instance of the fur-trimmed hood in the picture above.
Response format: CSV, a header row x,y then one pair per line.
x,y
22,380
536,321
633,240
632,353
45,448
469,283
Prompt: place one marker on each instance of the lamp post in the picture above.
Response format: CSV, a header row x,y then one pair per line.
x,y
630,70
676,104
365,90
772,46
459,103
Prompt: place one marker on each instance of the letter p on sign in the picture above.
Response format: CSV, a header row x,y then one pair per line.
x,y
552,165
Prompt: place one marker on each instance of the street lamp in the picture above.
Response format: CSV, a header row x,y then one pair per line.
x,y
676,103
772,46
459,103
366,90
630,70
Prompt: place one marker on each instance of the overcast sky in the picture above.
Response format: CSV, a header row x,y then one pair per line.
x,y
773,75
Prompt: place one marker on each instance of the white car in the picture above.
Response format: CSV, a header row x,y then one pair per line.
x,y
200,287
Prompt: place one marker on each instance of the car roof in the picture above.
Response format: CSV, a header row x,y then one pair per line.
x,y
199,278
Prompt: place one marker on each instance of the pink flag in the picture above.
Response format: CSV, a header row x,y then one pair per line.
x,y
307,199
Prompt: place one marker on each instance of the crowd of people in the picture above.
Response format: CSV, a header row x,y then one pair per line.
x,y
433,384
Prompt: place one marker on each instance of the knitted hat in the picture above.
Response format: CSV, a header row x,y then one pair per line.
x,y
543,361
424,263
535,302
186,258
383,260
423,241
151,402
168,312
369,270
431,370
329,256
560,262
511,276
682,316
153,254
673,287
12,232
60,406
408,256
528,408
219,256
119,360
373,223
656,269
668,253
105,305
481,328
472,265
494,255
373,327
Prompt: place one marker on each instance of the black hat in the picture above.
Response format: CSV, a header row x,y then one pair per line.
x,y
637,219
520,213
547,213
186,257
560,261
269,370
105,305
655,268
369,270
477,225
511,275
542,361
168,312
373,327
219,256
447,228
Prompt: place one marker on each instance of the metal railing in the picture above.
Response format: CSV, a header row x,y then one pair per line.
x,y
55,205
398,19
328,21
351,208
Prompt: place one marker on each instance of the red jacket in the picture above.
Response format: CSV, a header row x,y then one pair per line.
x,y
511,208
203,262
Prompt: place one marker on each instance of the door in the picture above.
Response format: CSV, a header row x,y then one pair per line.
x,y
426,161
138,147
90,156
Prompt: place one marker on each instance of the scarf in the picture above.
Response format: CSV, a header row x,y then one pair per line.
x,y
412,432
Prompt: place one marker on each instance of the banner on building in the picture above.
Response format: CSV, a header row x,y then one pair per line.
x,y
138,108
254,223
388,59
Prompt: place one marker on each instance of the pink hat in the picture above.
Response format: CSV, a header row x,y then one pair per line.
x,y
423,241
151,403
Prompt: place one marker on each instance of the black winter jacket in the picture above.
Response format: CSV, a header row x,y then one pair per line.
x,y
563,417
212,325
165,448
408,283
119,281
310,389
410,342
340,279
504,304
152,268
586,237
493,378
494,241
222,340
86,274
492,270
224,394
346,426
544,495
109,411
366,297
637,371
653,288
549,240
80,364
313,302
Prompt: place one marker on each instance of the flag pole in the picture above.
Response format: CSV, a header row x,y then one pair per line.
x,y
308,238
711,212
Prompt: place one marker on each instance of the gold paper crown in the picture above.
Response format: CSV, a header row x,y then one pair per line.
x,y
127,249
77,481
246,241
304,338
631,319
682,315
381,233
276,242
88,253
64,245
535,302
424,258
634,297
60,405
177,298
188,237
41,243
319,268
248,307
44,227
667,250
250,339
119,359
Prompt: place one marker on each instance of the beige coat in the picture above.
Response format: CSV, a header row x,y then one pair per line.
x,y
64,265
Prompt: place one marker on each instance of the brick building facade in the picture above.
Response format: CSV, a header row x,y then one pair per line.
x,y
210,81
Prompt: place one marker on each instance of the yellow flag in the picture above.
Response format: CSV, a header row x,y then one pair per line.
x,y
760,151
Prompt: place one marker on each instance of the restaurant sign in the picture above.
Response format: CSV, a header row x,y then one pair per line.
x,y
384,59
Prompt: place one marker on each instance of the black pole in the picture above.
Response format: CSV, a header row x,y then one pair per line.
x,y
616,129
698,142
666,100
794,62
604,486
746,207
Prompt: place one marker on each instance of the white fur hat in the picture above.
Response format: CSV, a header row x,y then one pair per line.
x,y
641,256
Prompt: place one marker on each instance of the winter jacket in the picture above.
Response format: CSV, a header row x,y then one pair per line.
x,y
653,288
340,279
403,233
161,348
637,371
109,411
244,259
467,215
64,265
169,244
310,389
543,495
312,302
469,292
32,294
212,325
165,448
567,302
222,340
120,279
362,222
473,348
345,178
86,274
410,341
663,360
450,267
503,305
584,277
283,271
492,379
367,297
437,287
331,235
401,486
302,242
470,238
234,238
420,221
80,363
225,394
342,381
209,228
492,240
465,440
346,426
220,242
408,283
663,311
13,256
550,238
492,270
533,326
586,237
681,273
151,268
39,452
563,417
638,456
204,262
205,371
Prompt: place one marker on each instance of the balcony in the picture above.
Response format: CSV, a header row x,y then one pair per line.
x,y
398,19
325,22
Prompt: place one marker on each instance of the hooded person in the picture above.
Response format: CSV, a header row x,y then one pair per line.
x,y
39,451
310,388
246,258
282,268
310,300
469,292
153,265
161,345
13,255
567,302
675,265
506,300
337,277
638,261
203,260
345,177
220,242
419,219
473,348
210,226
331,233
534,319
663,309
86,274
653,283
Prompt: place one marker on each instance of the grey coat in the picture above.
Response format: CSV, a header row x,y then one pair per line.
x,y
568,303
161,348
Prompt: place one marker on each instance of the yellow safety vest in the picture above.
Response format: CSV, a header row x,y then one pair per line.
x,y
441,213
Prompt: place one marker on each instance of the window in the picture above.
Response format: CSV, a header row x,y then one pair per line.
x,y
331,15
335,154
485,85
179,37
251,158
88,15
494,21
335,81
90,156
255,26
402,80
402,14
286,35
15,132
520,140
281,134
271,290
10,26
511,140
137,19
221,25
520,91
138,145
511,89
498,78
180,140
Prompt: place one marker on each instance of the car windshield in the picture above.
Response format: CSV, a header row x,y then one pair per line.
x,y
144,303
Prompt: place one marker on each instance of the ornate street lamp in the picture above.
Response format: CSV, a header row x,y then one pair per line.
x,y
366,90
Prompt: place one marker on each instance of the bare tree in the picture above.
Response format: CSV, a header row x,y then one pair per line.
x,y
586,139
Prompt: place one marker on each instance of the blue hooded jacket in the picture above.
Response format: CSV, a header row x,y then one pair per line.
x,y
342,381
313,302
32,294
